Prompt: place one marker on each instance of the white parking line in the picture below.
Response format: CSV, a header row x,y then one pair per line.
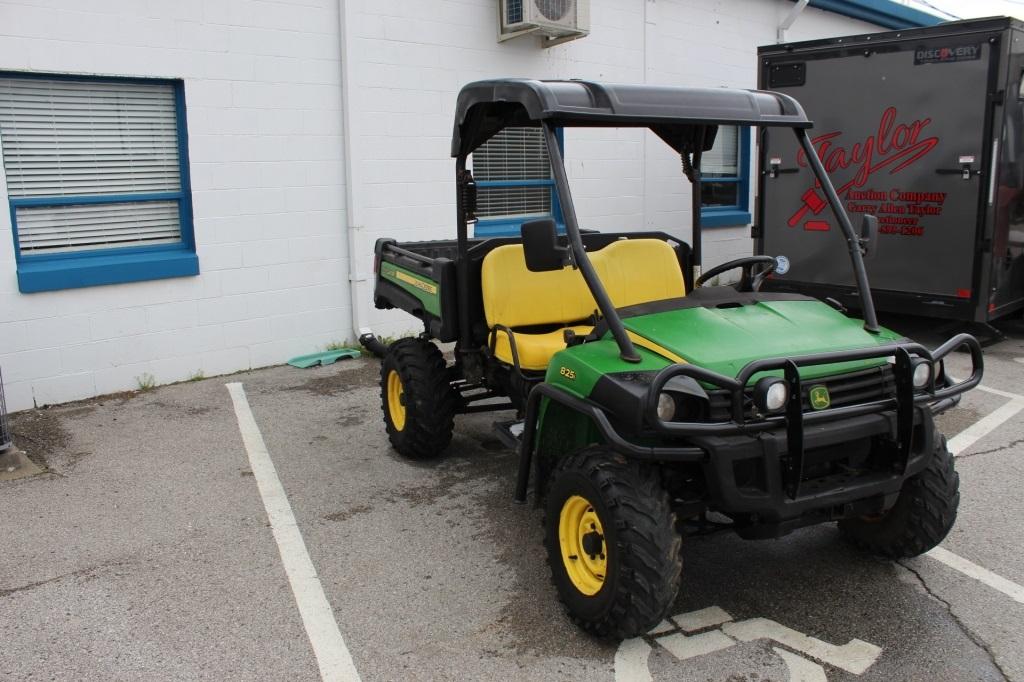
x,y
984,426
957,445
631,661
328,645
800,669
982,575
996,391
631,658
855,656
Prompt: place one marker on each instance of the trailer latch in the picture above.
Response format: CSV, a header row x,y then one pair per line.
x,y
775,168
964,170
965,166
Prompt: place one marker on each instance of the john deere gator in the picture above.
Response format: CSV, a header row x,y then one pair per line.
x,y
648,402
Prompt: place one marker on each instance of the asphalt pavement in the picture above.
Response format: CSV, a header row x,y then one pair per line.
x,y
146,552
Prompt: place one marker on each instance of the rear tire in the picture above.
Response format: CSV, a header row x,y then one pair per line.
x,y
923,514
629,583
417,399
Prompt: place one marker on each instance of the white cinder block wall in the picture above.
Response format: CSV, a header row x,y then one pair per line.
x,y
264,93
263,97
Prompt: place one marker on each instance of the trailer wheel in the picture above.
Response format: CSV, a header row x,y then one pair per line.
x,y
417,399
922,516
611,543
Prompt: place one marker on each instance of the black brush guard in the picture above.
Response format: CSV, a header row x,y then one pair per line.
x,y
938,395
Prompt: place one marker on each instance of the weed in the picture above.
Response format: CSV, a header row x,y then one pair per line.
x,y
146,381
340,345
388,340
198,375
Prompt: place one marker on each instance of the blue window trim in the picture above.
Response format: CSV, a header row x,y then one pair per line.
x,y
509,227
76,269
732,216
885,13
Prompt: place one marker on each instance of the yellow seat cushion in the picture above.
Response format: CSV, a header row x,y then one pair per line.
x,y
633,271
637,271
535,350
516,297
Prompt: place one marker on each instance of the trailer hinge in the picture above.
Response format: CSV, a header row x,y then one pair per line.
x,y
997,96
985,245
755,231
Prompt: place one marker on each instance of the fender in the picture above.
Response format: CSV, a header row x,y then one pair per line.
x,y
560,430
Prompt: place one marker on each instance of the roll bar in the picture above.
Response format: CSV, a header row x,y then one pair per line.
x,y
581,260
852,242
579,255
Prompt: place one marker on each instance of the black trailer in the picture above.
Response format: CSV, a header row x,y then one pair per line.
x,y
923,128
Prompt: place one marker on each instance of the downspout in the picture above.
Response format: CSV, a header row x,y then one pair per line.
x,y
353,222
780,33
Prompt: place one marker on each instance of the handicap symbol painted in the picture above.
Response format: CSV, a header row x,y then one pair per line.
x,y
702,632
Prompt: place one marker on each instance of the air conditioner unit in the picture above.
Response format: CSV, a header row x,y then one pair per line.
x,y
557,21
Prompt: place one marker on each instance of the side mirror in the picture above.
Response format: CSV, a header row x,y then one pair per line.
x,y
540,246
868,235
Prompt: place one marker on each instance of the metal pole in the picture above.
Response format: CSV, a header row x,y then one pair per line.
x,y
780,33
462,260
696,204
5,429
867,304
579,254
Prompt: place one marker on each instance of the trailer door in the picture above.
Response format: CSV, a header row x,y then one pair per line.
x,y
900,128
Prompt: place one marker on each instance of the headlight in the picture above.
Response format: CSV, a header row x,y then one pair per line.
x,y
922,374
666,407
771,394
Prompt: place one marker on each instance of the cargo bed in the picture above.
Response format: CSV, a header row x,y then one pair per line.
x,y
420,277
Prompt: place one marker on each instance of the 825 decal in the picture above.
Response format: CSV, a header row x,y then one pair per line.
x,y
567,373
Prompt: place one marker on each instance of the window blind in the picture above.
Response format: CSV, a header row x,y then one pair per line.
x,y
722,160
79,143
514,154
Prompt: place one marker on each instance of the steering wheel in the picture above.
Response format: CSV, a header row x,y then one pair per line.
x,y
749,281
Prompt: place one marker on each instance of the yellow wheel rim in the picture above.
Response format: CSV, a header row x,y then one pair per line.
x,y
584,552
396,400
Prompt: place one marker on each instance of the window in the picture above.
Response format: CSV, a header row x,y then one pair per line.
x,y
725,176
514,184
97,179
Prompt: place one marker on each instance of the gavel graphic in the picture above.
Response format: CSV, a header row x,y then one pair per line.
x,y
812,202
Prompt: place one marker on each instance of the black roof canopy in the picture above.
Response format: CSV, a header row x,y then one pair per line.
x,y
674,113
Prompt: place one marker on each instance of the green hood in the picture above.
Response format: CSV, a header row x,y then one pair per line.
x,y
725,339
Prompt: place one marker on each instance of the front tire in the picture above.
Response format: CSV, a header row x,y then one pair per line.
x,y
611,542
923,514
418,401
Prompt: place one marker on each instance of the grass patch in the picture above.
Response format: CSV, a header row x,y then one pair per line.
x,y
388,340
146,381
341,345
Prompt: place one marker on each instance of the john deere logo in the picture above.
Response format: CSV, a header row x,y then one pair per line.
x,y
820,398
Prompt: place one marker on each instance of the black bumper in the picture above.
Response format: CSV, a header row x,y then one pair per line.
x,y
746,476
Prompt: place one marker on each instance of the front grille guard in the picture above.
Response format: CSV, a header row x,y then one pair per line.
x,y
849,388
793,417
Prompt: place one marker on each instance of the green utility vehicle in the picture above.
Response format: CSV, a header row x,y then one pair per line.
x,y
647,399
